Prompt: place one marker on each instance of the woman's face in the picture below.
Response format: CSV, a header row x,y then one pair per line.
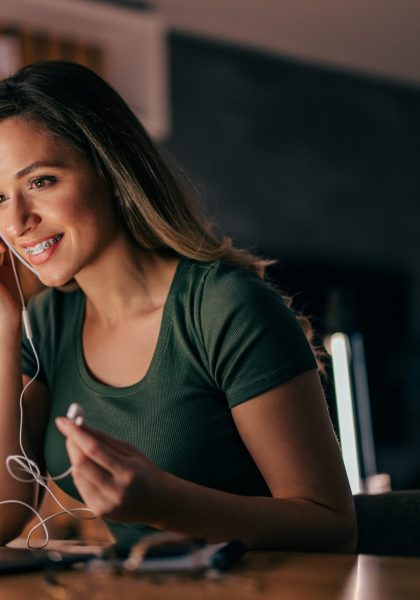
x,y
54,208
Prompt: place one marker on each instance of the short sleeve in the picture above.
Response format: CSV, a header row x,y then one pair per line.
x,y
253,340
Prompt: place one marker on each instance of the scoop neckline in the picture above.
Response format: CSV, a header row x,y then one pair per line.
x,y
102,388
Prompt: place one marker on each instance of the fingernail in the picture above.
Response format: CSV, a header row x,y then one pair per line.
x,y
61,422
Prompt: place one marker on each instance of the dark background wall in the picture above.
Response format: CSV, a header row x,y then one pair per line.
x,y
319,169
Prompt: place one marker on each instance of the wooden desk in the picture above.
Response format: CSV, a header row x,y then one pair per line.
x,y
259,575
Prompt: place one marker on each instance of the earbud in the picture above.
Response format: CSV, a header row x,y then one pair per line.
x,y
76,413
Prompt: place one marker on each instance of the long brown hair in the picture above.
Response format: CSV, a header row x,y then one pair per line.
x,y
79,107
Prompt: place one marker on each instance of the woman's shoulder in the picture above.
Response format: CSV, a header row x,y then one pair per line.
x,y
218,289
251,338
219,282
217,275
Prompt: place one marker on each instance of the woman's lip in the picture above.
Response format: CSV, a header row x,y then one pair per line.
x,y
33,243
38,259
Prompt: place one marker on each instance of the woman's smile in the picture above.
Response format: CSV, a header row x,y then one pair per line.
x,y
41,251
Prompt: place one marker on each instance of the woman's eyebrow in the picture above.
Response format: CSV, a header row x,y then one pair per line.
x,y
36,165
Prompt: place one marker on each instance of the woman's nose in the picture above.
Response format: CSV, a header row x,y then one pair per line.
x,y
20,218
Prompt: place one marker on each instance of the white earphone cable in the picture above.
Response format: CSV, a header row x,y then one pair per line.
x,y
23,462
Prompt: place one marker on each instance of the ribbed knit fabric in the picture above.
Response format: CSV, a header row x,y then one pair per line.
x,y
225,337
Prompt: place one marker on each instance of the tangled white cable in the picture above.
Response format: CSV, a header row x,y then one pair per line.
x,y
26,464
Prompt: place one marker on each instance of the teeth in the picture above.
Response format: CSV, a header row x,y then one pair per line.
x,y
34,250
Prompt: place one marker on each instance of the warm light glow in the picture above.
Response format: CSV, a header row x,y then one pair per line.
x,y
340,352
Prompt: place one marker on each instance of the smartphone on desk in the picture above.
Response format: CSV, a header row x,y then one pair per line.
x,y
20,560
184,555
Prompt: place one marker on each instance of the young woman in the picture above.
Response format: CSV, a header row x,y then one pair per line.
x,y
204,410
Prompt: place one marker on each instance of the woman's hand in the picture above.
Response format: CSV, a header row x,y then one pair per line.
x,y
10,310
114,479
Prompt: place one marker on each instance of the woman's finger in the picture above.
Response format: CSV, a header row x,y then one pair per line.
x,y
102,499
120,446
91,494
82,465
98,451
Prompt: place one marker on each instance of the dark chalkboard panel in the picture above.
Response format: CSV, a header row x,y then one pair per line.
x,y
320,169
304,159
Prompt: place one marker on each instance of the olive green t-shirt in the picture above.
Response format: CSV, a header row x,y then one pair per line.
x,y
225,337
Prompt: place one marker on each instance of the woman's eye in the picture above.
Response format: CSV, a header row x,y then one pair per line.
x,y
41,182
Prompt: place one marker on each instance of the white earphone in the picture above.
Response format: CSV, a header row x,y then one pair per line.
x,y
76,413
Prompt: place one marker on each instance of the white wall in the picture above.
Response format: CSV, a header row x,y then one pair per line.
x,y
134,46
379,37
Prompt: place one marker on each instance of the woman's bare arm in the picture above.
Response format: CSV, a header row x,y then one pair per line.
x,y
289,435
288,432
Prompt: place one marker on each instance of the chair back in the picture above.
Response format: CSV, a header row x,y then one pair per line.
x,y
388,524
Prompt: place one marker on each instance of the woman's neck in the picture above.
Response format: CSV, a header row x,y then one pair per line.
x,y
126,281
